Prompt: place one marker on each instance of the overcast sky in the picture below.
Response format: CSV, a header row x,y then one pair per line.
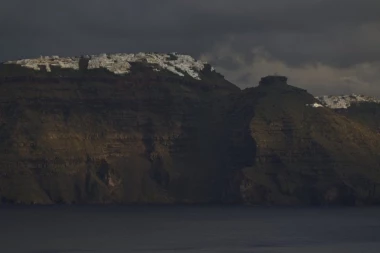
x,y
325,46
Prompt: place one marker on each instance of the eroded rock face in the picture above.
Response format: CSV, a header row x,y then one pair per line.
x,y
93,136
97,137
273,80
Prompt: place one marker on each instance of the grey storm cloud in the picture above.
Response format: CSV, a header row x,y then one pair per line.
x,y
333,45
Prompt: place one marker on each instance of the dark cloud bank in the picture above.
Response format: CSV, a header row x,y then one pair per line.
x,y
325,46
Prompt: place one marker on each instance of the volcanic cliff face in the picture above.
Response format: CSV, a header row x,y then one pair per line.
x,y
165,128
303,154
77,134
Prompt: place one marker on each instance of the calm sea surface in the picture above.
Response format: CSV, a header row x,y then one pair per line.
x,y
116,229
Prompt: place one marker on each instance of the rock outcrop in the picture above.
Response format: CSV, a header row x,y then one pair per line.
x,y
97,134
274,80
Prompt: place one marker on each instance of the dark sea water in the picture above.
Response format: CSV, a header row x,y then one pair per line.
x,y
115,229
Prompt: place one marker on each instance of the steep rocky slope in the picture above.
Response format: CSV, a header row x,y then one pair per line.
x,y
301,154
362,109
87,135
165,128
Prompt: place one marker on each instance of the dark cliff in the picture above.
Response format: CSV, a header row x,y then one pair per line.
x,y
90,136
